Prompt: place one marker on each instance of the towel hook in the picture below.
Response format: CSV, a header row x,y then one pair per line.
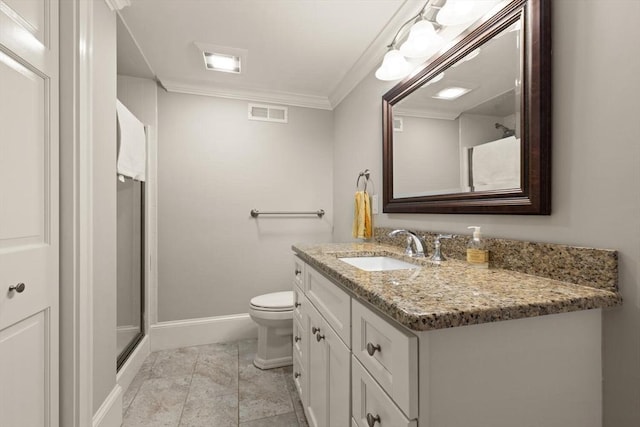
x,y
366,174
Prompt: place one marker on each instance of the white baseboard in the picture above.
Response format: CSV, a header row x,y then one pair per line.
x,y
128,371
209,330
110,412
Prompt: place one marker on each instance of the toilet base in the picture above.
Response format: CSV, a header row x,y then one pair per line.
x,y
272,363
275,347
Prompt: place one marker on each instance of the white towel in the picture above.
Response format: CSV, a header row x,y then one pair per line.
x,y
132,157
496,165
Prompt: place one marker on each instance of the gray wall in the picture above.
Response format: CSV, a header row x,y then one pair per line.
x,y
426,156
596,158
104,203
214,166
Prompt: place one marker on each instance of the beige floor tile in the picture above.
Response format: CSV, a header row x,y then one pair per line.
x,y
205,410
263,393
158,403
174,363
213,385
284,420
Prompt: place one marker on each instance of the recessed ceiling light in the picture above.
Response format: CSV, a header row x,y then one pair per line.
x,y
222,62
451,93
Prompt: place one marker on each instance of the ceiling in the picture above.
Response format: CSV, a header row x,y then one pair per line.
x,y
491,75
300,52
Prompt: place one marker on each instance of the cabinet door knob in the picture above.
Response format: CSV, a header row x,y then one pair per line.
x,y
319,337
371,420
371,349
297,338
19,288
296,375
314,329
298,272
297,304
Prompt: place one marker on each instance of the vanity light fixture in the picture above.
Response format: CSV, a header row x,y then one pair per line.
x,y
423,39
222,62
451,93
456,12
393,67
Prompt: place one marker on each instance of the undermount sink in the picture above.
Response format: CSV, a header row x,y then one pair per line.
x,y
378,263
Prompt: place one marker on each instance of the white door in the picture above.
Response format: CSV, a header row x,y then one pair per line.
x,y
28,213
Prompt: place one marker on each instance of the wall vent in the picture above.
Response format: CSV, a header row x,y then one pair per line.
x,y
268,113
398,124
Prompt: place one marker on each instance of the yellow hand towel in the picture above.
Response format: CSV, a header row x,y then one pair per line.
x,y
362,216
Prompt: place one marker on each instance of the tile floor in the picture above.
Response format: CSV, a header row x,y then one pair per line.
x,y
214,386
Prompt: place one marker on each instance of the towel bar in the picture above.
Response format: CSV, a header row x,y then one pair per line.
x,y
256,212
366,174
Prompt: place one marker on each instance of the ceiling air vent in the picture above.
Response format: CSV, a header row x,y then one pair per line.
x,y
268,113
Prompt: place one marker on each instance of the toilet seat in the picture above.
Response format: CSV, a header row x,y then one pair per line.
x,y
273,302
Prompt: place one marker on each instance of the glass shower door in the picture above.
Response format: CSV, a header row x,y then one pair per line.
x,y
130,267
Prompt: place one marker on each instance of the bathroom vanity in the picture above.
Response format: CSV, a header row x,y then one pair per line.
x,y
442,345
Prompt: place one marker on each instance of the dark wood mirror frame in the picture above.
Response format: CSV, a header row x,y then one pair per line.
x,y
534,197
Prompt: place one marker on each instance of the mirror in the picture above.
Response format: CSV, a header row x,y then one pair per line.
x,y
470,132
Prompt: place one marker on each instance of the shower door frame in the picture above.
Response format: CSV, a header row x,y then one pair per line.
x,y
129,348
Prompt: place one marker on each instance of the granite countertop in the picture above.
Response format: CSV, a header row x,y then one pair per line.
x,y
452,293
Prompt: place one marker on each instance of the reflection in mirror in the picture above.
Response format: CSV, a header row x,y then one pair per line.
x,y
460,131
470,131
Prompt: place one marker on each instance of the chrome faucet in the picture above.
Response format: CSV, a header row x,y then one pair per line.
x,y
412,240
437,254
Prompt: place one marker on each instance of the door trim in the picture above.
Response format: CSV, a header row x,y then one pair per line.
x,y
76,237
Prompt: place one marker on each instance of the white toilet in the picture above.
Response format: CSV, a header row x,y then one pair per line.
x,y
274,315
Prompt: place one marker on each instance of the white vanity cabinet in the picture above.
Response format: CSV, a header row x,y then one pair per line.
x,y
380,378
388,355
328,372
355,366
322,359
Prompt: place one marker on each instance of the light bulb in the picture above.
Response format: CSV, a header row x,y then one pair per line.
x,y
456,12
422,41
393,67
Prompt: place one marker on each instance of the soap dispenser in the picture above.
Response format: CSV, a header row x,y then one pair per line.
x,y
477,253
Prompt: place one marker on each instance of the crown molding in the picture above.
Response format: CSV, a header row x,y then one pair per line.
x,y
283,98
372,56
115,5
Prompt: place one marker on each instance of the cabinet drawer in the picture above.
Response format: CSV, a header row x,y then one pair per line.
x,y
298,304
300,379
298,272
300,339
369,400
390,354
332,302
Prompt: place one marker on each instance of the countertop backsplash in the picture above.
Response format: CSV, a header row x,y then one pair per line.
x,y
597,268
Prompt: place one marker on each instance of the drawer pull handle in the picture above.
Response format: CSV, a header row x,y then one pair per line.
x,y
297,338
298,272
298,304
314,329
296,375
19,288
319,337
371,349
371,420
